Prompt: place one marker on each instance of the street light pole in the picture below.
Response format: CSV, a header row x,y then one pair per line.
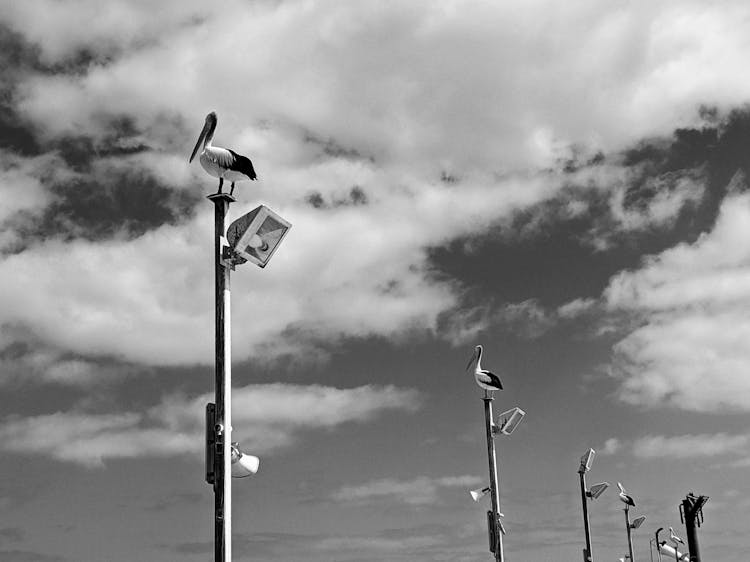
x,y
589,556
629,528
223,427
494,484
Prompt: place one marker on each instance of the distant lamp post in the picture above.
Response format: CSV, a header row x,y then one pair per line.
x,y
253,237
595,491
509,420
629,502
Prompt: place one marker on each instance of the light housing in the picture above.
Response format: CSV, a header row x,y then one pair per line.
x,y
637,522
243,465
256,235
586,460
479,493
597,490
509,421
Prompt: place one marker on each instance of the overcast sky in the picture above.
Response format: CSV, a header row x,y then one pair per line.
x,y
564,183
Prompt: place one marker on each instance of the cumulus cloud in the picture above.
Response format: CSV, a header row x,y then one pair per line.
x,y
688,446
690,350
422,490
265,417
434,149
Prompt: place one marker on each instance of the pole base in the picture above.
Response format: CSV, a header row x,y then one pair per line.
x,y
216,197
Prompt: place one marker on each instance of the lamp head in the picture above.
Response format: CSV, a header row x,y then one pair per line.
x,y
479,493
256,235
243,465
586,461
597,490
510,420
637,522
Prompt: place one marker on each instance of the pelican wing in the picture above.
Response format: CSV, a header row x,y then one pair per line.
x,y
494,379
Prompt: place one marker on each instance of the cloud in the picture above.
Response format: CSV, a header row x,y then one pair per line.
x,y
422,490
611,446
689,350
265,417
690,446
386,156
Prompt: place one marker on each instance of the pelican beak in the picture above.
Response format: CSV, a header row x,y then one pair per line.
x,y
472,360
201,140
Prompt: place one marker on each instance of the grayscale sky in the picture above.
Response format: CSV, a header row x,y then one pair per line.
x,y
564,183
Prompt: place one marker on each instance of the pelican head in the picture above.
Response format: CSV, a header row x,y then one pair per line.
x,y
206,134
476,357
625,497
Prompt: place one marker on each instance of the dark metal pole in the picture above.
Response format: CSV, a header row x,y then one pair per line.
x,y
691,529
223,474
494,485
589,556
630,540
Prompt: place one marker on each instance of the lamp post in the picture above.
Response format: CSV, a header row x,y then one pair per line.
x,y
253,237
595,491
691,512
509,422
637,522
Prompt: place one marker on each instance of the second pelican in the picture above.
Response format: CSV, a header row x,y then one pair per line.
x,y
485,379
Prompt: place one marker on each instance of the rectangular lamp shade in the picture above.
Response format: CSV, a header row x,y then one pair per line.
x,y
256,235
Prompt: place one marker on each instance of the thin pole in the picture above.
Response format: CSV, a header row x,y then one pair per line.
x,y
223,469
494,483
584,503
630,540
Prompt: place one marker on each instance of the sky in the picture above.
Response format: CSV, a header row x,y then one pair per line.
x,y
564,184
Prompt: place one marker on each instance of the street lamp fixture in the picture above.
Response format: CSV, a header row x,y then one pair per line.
x,y
243,465
596,490
637,522
509,421
479,493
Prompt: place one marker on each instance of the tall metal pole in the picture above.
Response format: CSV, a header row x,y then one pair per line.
x,y
627,526
691,510
494,485
223,469
589,556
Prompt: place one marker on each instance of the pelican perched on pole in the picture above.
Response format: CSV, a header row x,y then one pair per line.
x,y
221,163
487,380
624,497
674,538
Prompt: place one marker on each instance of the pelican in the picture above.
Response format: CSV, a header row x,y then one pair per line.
x,y
485,379
221,163
674,538
624,497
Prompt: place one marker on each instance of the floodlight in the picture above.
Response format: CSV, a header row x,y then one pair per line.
x,y
597,490
637,522
510,420
255,236
243,465
586,461
479,493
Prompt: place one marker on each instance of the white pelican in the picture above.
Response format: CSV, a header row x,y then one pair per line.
x,y
221,163
485,379
624,497
674,538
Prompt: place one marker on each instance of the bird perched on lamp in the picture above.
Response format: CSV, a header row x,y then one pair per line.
x,y
222,163
487,380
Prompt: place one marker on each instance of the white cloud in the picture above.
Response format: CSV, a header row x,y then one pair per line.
x,y
422,490
265,418
611,446
690,350
688,446
388,91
